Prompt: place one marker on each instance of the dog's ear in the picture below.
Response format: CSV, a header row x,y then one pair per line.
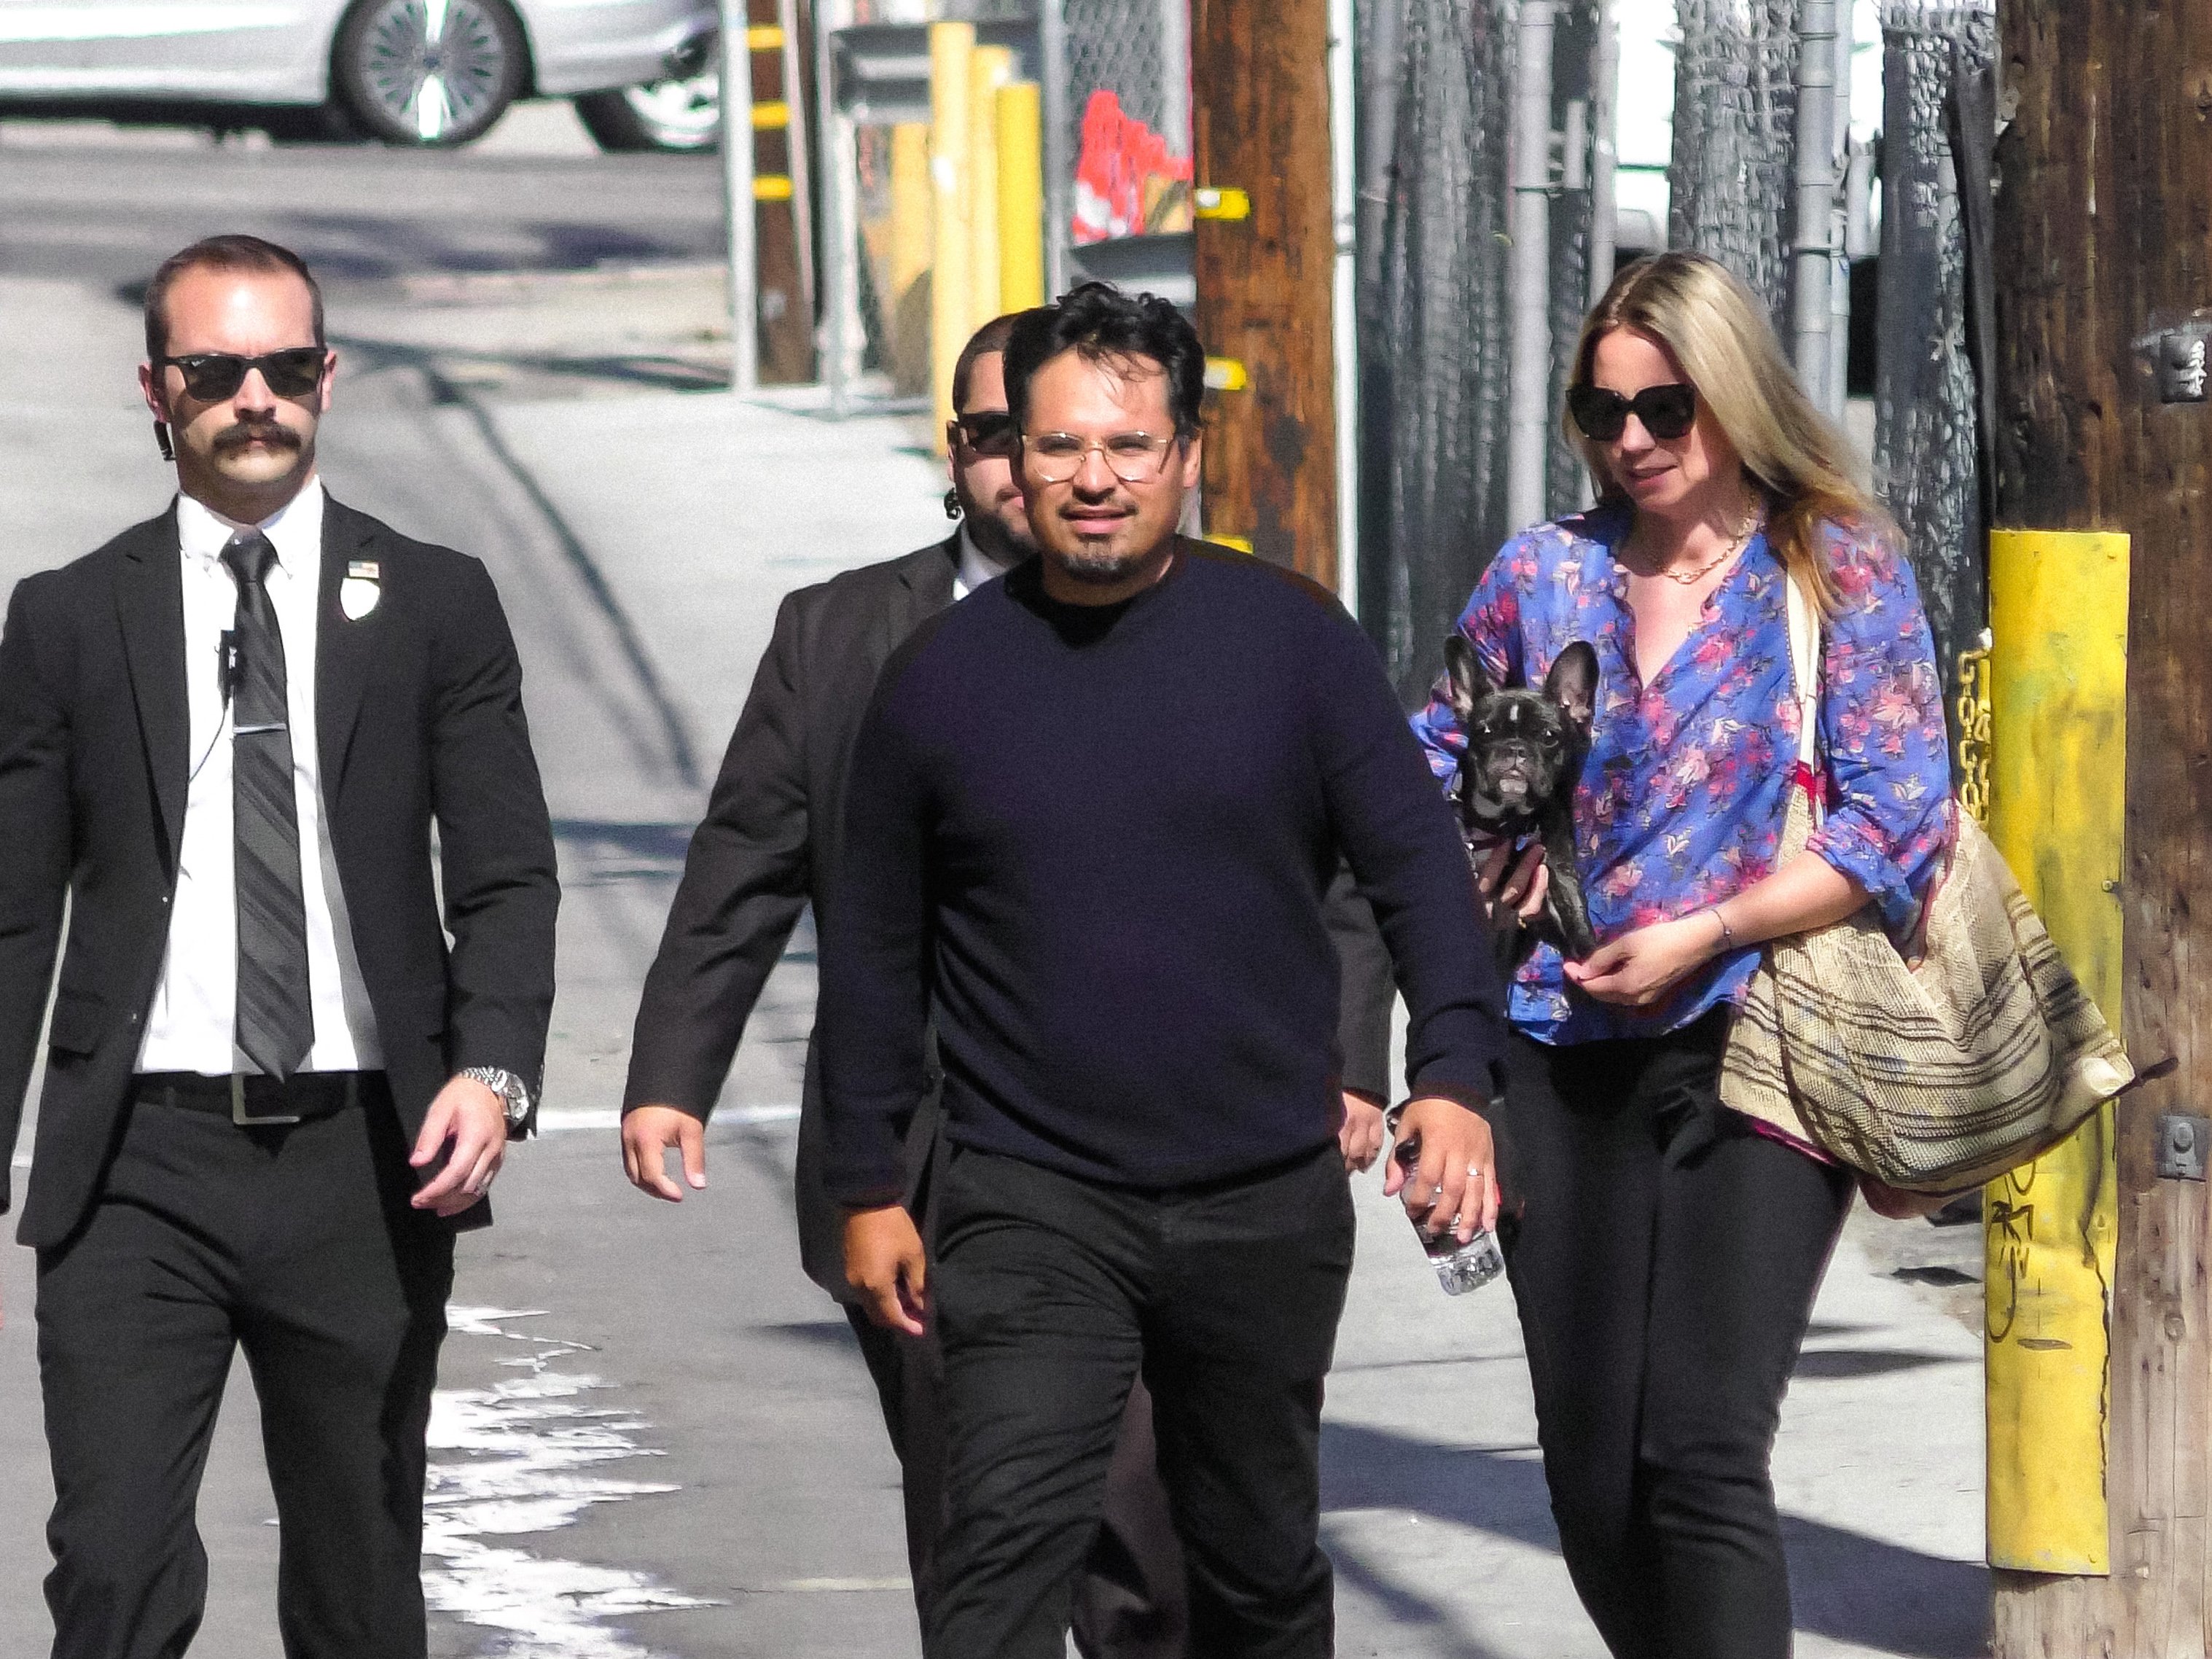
x,y
1572,684
1469,684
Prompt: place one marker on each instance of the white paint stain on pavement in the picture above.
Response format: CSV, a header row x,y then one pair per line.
x,y
522,1458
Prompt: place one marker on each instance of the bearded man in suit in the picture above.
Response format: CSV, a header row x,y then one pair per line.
x,y
279,1077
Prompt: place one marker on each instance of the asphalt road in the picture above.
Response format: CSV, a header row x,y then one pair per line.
x,y
532,197
655,1438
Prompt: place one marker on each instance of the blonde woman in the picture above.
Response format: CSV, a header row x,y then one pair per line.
x,y
1664,1252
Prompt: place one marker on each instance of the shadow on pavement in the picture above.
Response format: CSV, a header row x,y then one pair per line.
x,y
1404,1607
1846,1586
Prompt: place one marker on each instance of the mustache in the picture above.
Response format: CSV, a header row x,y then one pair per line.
x,y
272,433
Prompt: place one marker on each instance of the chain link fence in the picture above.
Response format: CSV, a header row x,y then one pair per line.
x,y
1433,316
1139,51
1735,111
1927,448
1435,120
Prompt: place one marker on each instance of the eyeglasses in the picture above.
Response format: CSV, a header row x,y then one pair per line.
x,y
213,376
1132,457
990,432
1666,411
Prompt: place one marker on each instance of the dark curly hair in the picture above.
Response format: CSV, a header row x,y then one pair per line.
x,y
1106,325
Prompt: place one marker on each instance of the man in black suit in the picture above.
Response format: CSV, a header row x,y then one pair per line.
x,y
273,1092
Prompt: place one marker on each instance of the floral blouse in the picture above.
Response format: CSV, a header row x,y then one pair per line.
x,y
1681,801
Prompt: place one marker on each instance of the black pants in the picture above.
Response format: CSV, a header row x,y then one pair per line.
x,y
1129,1600
296,1244
1664,1258
1052,1295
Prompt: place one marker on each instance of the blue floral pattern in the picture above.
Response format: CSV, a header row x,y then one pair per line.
x,y
1681,801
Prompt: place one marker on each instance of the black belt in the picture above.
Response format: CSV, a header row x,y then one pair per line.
x,y
252,1100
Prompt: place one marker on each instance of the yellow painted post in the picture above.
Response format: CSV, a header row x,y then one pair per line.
x,y
991,68
2058,616
1021,196
951,52
913,233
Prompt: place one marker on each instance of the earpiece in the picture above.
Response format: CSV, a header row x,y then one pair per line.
x,y
951,503
161,441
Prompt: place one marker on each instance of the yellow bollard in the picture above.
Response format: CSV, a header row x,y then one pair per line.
x,y
912,233
1021,196
2058,614
952,53
991,68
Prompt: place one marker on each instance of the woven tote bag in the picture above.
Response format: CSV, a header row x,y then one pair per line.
x,y
1931,1073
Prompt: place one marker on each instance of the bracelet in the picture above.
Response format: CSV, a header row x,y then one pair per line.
x,y
1728,934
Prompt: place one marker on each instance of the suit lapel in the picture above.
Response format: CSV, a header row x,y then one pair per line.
x,y
149,602
926,588
344,646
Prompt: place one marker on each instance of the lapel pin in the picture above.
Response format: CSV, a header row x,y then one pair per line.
x,y
359,592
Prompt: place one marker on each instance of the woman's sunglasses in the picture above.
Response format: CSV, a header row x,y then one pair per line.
x,y
1666,411
214,376
990,434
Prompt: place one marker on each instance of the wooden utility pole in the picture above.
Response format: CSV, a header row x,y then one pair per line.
x,y
1266,249
785,284
2104,274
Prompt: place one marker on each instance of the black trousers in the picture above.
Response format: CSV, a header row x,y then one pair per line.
x,y
296,1245
1129,1600
1053,1294
1664,1258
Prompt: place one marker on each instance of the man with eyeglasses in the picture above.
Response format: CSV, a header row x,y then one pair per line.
x,y
768,847
1091,819
279,1078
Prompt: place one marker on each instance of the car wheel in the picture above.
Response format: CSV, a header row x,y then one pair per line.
x,y
668,115
431,72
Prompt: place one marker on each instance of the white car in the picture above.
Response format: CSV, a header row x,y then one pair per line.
x,y
407,71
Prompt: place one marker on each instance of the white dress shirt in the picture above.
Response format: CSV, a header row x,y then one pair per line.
x,y
976,567
193,1025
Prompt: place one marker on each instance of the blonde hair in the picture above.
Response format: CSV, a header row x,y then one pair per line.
x,y
1720,335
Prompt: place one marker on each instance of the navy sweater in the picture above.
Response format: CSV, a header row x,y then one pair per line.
x,y
1094,840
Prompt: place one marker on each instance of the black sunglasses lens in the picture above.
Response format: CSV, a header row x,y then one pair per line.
x,y
1599,414
292,374
989,434
1666,411
212,376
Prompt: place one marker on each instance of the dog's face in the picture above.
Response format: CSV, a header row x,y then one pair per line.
x,y
1524,748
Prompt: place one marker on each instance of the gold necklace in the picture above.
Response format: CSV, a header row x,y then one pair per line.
x,y
1743,540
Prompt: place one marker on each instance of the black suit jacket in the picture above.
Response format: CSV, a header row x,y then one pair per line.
x,y
418,712
771,843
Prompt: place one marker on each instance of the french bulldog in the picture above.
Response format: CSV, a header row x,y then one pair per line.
x,y
1517,779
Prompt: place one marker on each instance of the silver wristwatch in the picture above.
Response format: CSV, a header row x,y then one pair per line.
x,y
508,1087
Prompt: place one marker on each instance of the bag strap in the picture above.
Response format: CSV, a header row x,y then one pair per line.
x,y
1804,668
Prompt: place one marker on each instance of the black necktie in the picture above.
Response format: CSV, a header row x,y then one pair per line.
x,y
275,1021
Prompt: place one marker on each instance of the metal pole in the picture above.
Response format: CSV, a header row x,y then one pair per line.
x,y
1839,288
842,332
1343,316
801,164
1059,165
1605,154
1175,71
1813,264
1529,385
740,238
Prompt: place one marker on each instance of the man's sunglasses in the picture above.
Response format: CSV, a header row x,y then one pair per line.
x,y
214,376
990,434
1666,411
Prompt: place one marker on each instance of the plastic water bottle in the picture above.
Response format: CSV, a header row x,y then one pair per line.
x,y
1459,1268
